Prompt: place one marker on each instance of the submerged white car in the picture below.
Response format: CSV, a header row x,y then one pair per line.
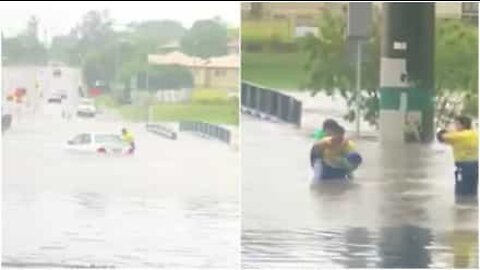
x,y
103,143
86,107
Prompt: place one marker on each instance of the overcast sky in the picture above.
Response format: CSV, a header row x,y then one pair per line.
x,y
59,17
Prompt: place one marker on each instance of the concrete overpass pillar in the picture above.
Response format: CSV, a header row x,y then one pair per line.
x,y
406,73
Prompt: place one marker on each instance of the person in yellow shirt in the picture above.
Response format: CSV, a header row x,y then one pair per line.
x,y
127,136
334,157
464,141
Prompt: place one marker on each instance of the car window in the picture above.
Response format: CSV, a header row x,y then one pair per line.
x,y
82,139
108,138
86,139
76,140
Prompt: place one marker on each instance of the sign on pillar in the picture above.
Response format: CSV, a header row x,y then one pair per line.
x,y
393,99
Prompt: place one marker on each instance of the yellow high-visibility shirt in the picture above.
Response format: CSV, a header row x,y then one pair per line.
x,y
128,137
333,153
464,144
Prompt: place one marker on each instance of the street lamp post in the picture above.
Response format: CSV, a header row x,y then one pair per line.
x,y
358,86
359,22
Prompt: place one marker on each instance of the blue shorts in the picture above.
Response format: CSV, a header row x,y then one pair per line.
x,y
466,178
332,173
326,172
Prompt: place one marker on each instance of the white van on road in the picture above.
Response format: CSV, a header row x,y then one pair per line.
x,y
86,107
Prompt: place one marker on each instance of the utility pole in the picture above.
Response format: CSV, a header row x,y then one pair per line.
x,y
406,71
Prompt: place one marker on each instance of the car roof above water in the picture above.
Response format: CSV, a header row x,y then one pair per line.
x,y
97,134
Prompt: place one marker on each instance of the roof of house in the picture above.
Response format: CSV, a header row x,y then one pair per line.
x,y
174,58
227,61
181,59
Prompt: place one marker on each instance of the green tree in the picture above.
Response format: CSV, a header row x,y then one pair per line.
x,y
331,68
95,30
90,44
145,38
93,33
456,56
160,32
169,77
206,38
65,49
24,48
456,69
98,67
113,56
256,10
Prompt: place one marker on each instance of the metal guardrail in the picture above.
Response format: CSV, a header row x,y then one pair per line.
x,y
207,130
259,100
162,131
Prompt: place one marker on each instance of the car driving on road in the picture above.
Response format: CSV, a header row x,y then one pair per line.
x,y
57,96
86,107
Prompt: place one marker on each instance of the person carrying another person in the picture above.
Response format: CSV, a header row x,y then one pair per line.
x,y
127,137
320,133
334,156
464,141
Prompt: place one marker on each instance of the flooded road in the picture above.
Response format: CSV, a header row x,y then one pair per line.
x,y
174,204
399,212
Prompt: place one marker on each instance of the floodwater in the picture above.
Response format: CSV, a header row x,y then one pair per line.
x,y
174,204
399,211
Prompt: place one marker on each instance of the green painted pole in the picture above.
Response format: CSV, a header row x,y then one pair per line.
x,y
407,72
